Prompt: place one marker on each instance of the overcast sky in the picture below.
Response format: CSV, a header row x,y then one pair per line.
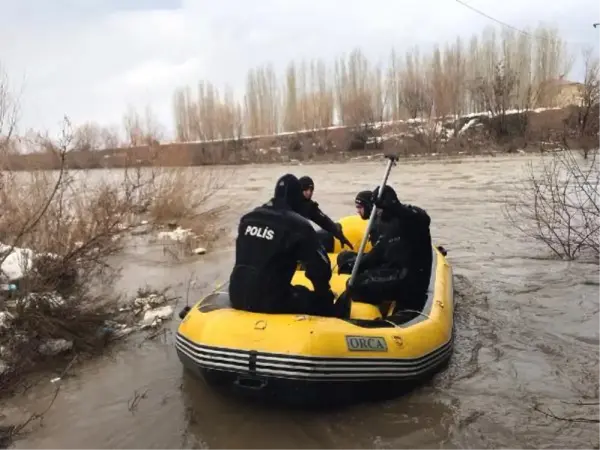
x,y
90,59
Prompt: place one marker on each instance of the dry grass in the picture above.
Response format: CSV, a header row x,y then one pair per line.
x,y
72,221
185,198
179,193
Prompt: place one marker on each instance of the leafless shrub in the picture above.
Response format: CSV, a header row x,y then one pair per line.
x,y
76,217
181,196
62,227
558,204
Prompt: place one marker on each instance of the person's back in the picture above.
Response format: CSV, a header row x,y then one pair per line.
x,y
271,240
413,227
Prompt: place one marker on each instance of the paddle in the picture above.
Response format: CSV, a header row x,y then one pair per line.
x,y
361,250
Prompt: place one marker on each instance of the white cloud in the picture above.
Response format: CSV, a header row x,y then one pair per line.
x,y
91,59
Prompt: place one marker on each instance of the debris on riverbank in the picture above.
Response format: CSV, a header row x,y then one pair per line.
x,y
193,236
63,233
154,307
42,330
17,261
39,326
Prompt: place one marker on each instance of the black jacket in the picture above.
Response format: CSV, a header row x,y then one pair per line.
x,y
311,210
404,241
271,240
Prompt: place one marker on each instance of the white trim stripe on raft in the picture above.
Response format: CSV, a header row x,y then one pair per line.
x,y
268,365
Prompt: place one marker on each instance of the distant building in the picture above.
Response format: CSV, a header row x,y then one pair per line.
x,y
565,92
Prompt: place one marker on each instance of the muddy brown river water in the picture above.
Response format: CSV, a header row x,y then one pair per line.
x,y
527,335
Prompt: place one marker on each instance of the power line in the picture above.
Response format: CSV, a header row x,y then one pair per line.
x,y
495,20
518,30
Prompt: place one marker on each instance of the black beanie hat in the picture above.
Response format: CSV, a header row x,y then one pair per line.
x,y
363,198
306,183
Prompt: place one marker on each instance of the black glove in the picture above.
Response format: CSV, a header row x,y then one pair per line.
x,y
380,203
345,241
345,261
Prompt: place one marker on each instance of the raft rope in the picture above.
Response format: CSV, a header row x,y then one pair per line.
x,y
421,313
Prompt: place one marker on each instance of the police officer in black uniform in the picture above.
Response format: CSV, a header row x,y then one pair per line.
x,y
271,240
399,265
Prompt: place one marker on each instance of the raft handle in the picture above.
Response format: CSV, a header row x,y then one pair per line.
x,y
253,383
184,312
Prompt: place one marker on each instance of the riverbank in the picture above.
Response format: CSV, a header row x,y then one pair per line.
x,y
60,230
526,326
534,131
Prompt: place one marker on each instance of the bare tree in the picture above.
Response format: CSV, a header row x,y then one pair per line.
x,y
558,204
496,72
354,89
209,117
497,94
9,112
589,95
182,114
109,137
142,130
229,117
551,62
205,111
91,136
316,101
262,101
393,87
413,86
455,72
291,119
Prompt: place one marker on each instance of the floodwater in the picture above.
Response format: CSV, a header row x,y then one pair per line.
x,y
527,335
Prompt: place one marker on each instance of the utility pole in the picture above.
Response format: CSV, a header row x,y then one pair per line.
x,y
596,25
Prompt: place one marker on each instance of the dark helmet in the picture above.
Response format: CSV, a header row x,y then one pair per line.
x,y
388,197
289,190
364,199
306,183
388,200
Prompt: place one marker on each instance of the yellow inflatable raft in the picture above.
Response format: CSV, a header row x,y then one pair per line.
x,y
288,354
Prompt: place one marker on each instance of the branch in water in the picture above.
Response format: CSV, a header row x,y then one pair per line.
x,y
566,419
